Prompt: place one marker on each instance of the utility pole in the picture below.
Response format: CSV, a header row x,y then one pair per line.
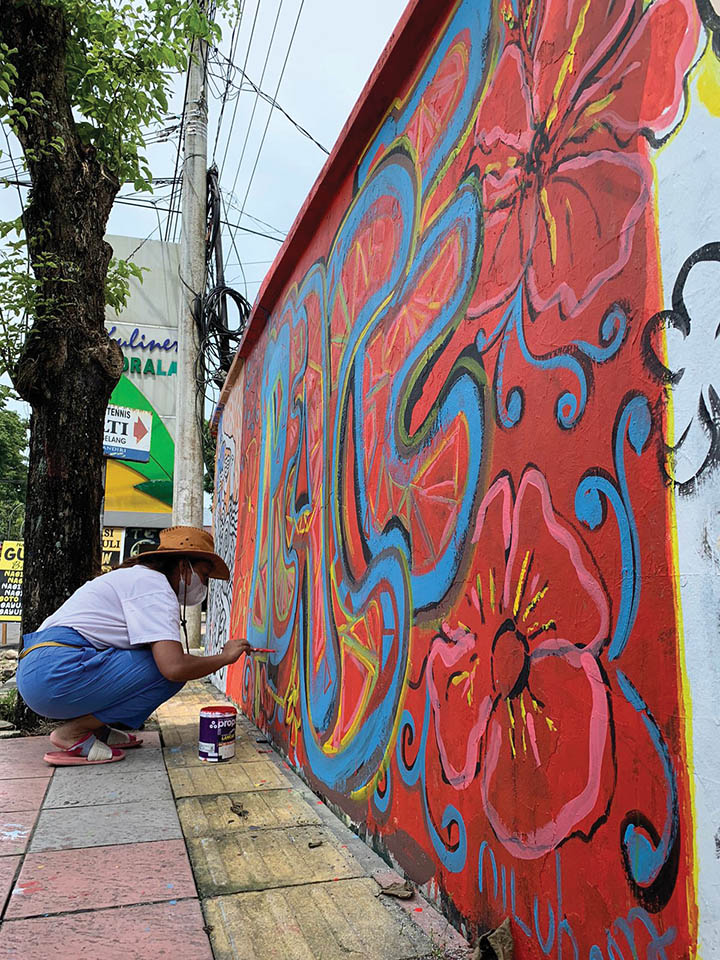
x,y
188,472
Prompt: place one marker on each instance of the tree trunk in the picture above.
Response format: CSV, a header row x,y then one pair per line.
x,y
69,365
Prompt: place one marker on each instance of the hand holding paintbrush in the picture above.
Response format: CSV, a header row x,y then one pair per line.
x,y
246,648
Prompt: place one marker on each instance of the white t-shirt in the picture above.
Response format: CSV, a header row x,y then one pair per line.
x,y
124,608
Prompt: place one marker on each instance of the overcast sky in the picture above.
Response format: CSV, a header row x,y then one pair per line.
x,y
335,46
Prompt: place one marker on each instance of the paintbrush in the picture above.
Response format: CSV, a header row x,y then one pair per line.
x,y
258,649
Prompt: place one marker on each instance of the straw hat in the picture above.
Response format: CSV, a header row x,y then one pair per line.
x,y
190,542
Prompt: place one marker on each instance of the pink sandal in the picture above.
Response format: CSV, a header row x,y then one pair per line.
x,y
121,738
88,750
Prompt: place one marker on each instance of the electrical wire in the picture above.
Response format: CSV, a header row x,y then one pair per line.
x,y
233,47
147,204
268,99
234,246
252,115
267,122
232,122
158,227
263,223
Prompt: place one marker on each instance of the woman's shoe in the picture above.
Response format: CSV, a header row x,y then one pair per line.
x,y
89,750
121,738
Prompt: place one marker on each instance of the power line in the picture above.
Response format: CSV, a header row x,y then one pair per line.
x,y
252,115
157,227
268,99
263,223
147,204
233,45
232,122
267,122
234,246
135,195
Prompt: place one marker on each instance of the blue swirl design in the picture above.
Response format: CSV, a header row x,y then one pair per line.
x,y
648,857
633,425
382,800
571,404
452,856
646,860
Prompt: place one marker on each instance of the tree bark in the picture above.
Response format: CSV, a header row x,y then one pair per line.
x,y
68,366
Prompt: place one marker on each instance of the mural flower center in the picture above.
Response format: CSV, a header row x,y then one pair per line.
x,y
510,661
535,161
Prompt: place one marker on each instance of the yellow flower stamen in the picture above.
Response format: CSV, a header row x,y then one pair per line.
x,y
551,225
521,582
567,64
535,601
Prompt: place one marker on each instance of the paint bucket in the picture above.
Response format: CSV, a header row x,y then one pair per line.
x,y
217,733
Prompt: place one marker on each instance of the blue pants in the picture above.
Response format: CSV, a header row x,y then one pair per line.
x,y
116,686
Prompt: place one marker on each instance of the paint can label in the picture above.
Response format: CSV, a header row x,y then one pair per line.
x,y
216,741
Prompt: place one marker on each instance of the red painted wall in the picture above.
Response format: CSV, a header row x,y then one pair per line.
x,y
439,478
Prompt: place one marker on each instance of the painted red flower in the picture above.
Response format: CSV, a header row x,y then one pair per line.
x,y
521,673
564,170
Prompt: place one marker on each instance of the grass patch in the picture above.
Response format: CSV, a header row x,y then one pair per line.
x,y
7,706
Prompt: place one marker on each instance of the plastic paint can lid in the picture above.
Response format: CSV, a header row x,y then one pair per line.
x,y
218,711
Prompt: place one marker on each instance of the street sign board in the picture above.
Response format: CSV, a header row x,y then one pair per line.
x,y
11,576
127,433
112,547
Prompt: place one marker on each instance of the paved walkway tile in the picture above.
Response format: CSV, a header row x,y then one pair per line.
x,y
226,778
159,931
60,880
26,794
107,783
104,825
186,755
15,830
176,734
322,921
204,816
8,868
23,758
136,760
150,738
268,858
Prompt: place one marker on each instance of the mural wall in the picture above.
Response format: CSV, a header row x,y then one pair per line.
x,y
467,480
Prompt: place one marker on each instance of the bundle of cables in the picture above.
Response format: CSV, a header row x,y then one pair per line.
x,y
218,339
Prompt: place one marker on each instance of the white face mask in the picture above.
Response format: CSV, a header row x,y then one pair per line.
x,y
193,593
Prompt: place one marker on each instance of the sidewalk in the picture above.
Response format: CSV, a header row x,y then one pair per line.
x,y
163,856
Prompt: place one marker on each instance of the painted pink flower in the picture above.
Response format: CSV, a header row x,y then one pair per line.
x,y
565,175
519,698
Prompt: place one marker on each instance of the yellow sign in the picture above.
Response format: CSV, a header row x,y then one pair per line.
x,y
112,547
11,576
122,495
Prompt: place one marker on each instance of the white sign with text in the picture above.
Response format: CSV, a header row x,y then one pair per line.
x,y
127,434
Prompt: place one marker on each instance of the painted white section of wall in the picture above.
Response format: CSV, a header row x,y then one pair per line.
x,y
689,211
153,306
225,524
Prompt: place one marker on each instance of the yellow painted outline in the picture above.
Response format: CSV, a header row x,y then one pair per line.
x,y
686,725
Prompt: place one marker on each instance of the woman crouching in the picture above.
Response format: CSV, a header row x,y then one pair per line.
x,y
112,653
